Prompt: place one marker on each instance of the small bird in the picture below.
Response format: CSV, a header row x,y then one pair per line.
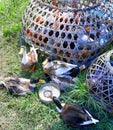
x,y
74,114
20,86
60,72
29,59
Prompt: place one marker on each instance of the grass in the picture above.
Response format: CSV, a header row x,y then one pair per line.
x,y
27,112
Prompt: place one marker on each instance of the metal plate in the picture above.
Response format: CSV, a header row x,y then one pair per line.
x,y
47,91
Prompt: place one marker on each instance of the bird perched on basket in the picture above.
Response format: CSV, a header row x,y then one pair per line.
x,y
20,86
29,59
57,71
74,114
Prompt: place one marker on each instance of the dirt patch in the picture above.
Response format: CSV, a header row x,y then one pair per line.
x,y
3,122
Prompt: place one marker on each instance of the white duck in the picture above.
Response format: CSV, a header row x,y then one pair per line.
x,y
29,59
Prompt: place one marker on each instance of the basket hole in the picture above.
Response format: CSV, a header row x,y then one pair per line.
x,y
87,29
51,24
54,51
67,54
42,46
69,36
88,20
65,44
75,37
57,34
92,36
44,13
63,34
45,40
61,52
51,42
40,37
61,19
82,21
71,20
35,35
45,31
36,27
98,34
64,59
67,28
58,44
48,49
88,47
72,45
37,44
66,20
50,32
38,18
61,27
46,23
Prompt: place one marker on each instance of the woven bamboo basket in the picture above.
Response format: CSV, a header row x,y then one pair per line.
x,y
76,31
100,79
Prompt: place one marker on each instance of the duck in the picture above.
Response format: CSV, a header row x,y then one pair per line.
x,y
29,59
74,114
60,72
63,81
20,86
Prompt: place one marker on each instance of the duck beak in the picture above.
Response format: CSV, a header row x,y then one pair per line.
x,y
21,52
82,67
41,81
45,63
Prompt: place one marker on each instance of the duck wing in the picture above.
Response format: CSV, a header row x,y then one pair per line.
x,y
61,67
29,60
15,90
63,81
33,55
91,121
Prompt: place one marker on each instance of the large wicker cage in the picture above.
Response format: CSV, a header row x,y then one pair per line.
x,y
100,79
76,31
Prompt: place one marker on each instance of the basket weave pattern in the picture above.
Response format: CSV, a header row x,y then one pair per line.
x,y
100,78
76,32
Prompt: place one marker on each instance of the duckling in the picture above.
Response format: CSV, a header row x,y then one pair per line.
x,y
20,86
74,114
56,71
29,59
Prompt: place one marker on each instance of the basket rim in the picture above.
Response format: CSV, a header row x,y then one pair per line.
x,y
108,55
70,9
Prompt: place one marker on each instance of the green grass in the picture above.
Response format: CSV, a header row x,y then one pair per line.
x,y
28,112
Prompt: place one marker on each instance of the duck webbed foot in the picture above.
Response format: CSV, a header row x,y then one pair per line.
x,y
32,69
